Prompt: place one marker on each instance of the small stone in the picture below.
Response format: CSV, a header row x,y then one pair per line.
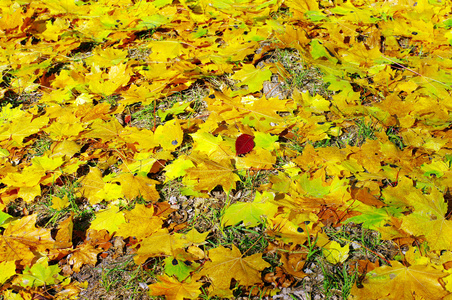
x,y
172,200
143,285
355,246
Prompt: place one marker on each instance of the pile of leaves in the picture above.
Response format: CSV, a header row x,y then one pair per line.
x,y
77,74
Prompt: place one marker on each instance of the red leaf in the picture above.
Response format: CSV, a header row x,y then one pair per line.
x,y
127,119
244,144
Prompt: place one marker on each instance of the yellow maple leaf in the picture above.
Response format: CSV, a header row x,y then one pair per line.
x,y
146,92
262,114
107,131
172,289
45,163
59,130
55,29
170,135
138,186
106,57
335,253
91,184
23,127
400,282
205,142
296,231
177,168
194,237
225,264
8,113
21,240
119,74
159,243
58,203
109,219
258,158
209,174
64,148
89,112
140,222
27,182
316,104
110,191
143,139
252,77
164,50
7,269
143,163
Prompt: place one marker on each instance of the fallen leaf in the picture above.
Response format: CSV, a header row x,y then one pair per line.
x,y
335,253
175,290
227,264
244,144
21,240
386,282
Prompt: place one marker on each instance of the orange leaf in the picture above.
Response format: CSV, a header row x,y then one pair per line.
x,y
84,254
63,237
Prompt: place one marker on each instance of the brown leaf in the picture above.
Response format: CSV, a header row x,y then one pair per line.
x,y
365,197
84,254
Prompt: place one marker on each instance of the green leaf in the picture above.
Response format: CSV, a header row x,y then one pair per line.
x,y
373,218
200,32
319,51
4,153
315,16
4,217
337,84
178,268
315,187
340,10
252,77
447,23
161,3
41,274
153,21
265,140
177,108
436,167
177,168
250,213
